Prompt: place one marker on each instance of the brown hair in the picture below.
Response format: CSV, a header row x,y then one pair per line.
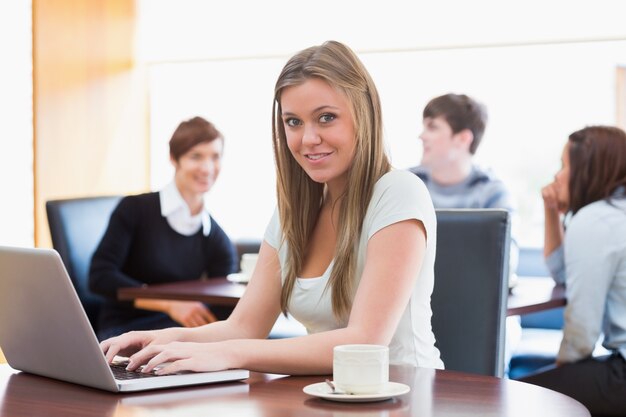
x,y
299,197
597,156
191,133
461,112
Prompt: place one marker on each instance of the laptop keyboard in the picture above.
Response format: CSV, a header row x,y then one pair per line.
x,y
120,372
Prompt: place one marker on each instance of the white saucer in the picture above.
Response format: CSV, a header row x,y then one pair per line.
x,y
322,390
238,278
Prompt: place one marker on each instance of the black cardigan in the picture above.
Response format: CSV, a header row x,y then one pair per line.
x,y
140,247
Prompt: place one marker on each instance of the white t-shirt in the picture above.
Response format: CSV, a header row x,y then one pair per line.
x,y
398,195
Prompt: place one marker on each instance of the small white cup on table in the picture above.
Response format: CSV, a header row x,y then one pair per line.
x,y
361,369
248,262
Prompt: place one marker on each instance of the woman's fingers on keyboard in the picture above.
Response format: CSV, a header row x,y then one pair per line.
x,y
109,350
143,356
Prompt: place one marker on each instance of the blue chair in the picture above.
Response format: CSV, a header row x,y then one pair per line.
x,y
541,331
76,228
531,264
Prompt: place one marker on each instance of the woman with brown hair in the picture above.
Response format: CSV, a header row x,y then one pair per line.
x,y
589,257
165,236
349,252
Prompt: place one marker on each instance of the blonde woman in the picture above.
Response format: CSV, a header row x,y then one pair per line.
x,y
349,252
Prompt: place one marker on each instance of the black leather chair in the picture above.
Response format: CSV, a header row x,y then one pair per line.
x,y
469,299
76,228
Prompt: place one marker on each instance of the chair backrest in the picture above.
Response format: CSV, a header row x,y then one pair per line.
x,y
471,288
76,228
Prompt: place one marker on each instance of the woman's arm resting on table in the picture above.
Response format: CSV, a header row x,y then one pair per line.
x,y
253,317
393,261
187,313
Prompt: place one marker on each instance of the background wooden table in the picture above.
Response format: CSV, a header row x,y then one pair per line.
x,y
528,296
533,294
218,291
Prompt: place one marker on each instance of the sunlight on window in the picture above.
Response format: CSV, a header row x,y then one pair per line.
x,y
539,83
536,96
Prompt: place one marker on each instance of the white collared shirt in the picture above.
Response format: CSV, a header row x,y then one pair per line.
x,y
176,211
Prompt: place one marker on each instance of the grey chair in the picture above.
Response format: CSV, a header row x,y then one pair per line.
x,y
469,299
76,228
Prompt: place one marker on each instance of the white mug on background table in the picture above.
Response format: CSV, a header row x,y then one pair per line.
x,y
248,262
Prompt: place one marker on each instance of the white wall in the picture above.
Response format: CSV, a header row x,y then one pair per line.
x,y
16,139
237,97
199,29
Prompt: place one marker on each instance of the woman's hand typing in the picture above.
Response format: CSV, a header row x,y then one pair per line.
x,y
184,356
130,343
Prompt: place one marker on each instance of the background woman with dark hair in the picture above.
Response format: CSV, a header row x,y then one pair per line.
x,y
163,237
589,256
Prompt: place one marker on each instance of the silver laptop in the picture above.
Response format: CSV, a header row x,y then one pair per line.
x,y
45,331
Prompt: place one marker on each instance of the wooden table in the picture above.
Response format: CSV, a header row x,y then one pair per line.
x,y
533,294
528,296
433,393
219,291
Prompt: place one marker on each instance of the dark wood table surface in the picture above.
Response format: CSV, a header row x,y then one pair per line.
x,y
433,393
219,291
530,294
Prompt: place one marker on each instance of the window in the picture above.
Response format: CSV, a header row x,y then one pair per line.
x,y
535,94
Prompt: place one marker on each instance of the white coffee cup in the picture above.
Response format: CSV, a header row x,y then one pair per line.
x,y
248,262
360,369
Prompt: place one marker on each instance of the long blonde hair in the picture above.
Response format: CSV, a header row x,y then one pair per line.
x,y
299,197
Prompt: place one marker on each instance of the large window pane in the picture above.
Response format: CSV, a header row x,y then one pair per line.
x,y
536,95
